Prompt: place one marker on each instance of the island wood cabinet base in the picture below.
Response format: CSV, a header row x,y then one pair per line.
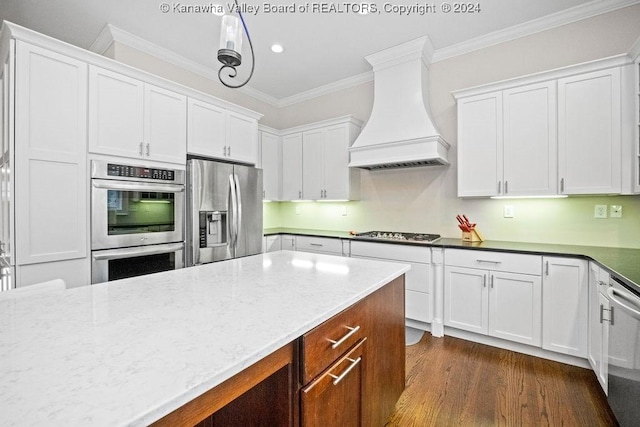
x,y
269,391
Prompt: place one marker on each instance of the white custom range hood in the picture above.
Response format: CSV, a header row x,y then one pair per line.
x,y
400,132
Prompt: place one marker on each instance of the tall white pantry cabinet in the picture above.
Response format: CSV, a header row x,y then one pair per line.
x,y
47,98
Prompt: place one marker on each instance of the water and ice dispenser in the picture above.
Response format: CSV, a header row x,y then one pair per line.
x,y
213,229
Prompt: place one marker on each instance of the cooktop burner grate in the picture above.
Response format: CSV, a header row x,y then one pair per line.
x,y
399,236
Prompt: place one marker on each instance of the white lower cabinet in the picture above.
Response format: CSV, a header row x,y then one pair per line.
x,y
565,306
272,243
599,319
287,242
490,301
418,280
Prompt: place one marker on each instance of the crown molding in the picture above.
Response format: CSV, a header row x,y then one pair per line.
x,y
111,34
339,85
558,19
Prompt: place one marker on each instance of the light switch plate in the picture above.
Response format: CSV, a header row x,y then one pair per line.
x,y
615,211
508,211
600,211
297,210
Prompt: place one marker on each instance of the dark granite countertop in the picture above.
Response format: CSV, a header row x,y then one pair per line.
x,y
623,263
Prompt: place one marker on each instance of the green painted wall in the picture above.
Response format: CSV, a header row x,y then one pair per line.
x,y
562,221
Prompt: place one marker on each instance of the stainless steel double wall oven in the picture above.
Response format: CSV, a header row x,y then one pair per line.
x,y
137,220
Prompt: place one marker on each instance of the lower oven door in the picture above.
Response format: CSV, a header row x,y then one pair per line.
x,y
624,354
114,264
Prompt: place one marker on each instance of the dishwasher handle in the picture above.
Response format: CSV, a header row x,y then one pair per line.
x,y
624,301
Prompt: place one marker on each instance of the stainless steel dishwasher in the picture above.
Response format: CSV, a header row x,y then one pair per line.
x,y
624,352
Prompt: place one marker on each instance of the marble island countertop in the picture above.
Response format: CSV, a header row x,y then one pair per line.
x,y
622,262
130,351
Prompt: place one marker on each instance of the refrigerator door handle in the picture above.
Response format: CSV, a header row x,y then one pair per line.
x,y
233,212
238,215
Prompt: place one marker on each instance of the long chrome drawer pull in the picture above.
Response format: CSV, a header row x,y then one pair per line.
x,y
316,244
489,261
337,379
352,331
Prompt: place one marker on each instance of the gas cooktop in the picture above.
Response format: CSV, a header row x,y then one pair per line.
x,y
396,236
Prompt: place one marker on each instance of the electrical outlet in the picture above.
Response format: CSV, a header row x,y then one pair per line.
x,y
508,211
344,211
297,210
615,211
600,211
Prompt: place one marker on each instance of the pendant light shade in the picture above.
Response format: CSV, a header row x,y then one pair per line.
x,y
231,46
230,41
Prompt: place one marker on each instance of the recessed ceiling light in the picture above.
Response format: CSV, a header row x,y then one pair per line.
x,y
277,48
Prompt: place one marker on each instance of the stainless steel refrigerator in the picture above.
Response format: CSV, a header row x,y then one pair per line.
x,y
224,211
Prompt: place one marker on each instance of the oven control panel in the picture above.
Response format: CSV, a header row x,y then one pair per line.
x,y
140,172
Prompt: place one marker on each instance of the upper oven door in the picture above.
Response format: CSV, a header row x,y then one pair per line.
x,y
126,213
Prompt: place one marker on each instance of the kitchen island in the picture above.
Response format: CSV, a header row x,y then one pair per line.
x,y
131,351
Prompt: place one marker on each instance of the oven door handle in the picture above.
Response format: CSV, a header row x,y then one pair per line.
x,y
115,185
137,251
624,301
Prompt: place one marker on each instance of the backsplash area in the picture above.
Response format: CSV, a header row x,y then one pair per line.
x,y
414,200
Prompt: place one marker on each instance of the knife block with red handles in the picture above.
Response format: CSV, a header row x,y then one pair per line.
x,y
471,236
469,231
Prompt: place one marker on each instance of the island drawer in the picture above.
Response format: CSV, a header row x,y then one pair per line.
x,y
328,341
495,261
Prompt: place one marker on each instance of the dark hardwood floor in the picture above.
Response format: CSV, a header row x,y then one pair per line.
x,y
453,382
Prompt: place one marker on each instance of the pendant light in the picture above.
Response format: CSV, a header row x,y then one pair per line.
x,y
231,46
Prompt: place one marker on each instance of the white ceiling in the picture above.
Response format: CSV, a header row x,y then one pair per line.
x,y
320,48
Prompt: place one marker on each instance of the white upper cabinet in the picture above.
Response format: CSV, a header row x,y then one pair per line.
x,y
313,169
554,133
133,119
116,113
530,141
325,161
480,139
270,152
50,156
507,142
165,125
222,134
242,137
340,181
589,133
292,166
206,129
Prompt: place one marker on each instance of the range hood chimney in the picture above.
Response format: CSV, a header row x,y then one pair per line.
x,y
400,132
